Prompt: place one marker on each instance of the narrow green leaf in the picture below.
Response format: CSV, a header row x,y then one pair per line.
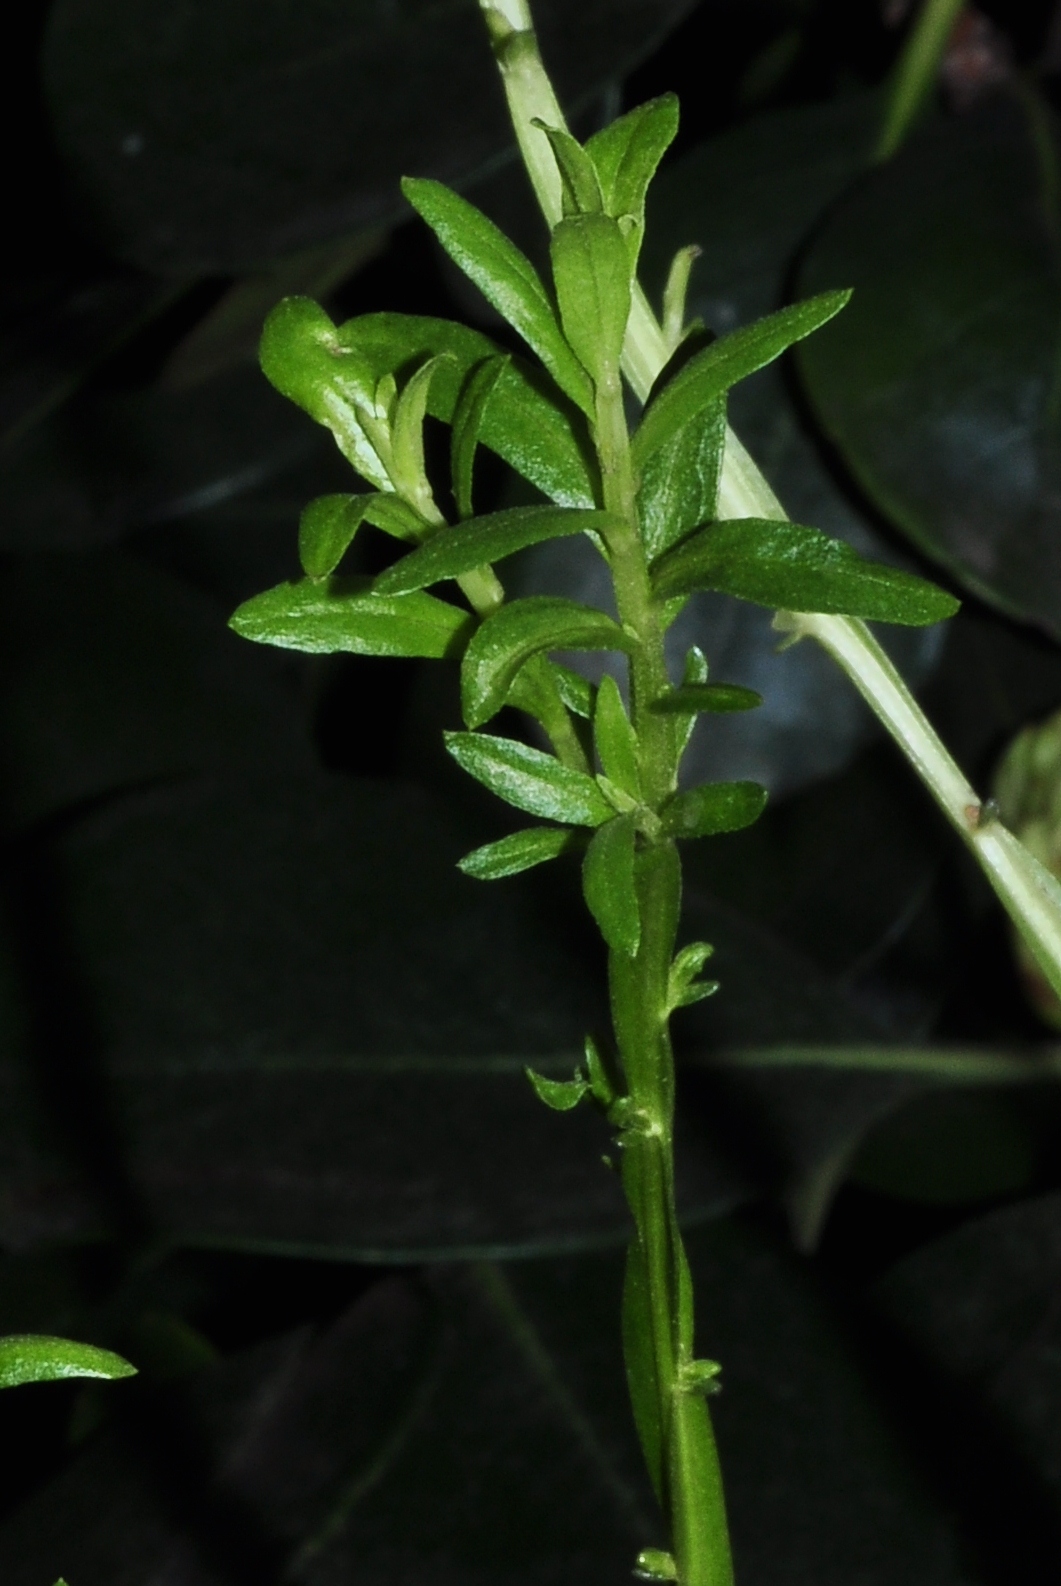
x,y
640,1357
343,614
683,988
519,851
394,516
680,479
33,1357
581,189
626,154
529,779
609,886
325,531
616,741
576,691
692,698
504,275
467,423
712,372
599,1079
517,631
408,426
714,808
305,357
791,567
591,272
538,434
482,540
559,1094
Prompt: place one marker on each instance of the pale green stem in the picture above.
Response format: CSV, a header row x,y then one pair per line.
x,y
915,72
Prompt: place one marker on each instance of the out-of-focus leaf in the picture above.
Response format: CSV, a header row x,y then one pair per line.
x,y
713,808
481,540
114,673
517,1373
212,138
939,383
33,1357
716,698
346,614
980,1305
519,630
313,1030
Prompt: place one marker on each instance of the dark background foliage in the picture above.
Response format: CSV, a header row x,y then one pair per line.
x,y
263,1123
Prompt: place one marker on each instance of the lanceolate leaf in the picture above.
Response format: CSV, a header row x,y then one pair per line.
x,y
325,530
519,851
591,271
486,539
504,275
714,808
408,430
615,739
562,1095
626,154
529,779
343,614
712,372
581,188
519,630
693,698
31,1357
791,567
609,885
679,481
467,422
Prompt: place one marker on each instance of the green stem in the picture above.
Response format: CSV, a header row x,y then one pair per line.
x,y
915,72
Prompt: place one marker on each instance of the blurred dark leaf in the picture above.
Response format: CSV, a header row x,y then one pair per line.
x,y
212,137
475,1427
113,461
981,1305
312,1029
114,673
939,382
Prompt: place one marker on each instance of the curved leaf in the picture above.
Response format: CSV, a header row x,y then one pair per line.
x,y
467,422
326,531
711,373
794,568
520,629
529,779
609,886
714,808
344,614
481,540
625,155
504,275
515,853
33,1357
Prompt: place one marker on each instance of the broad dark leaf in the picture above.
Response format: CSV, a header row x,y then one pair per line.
x,y
936,384
313,1029
211,138
515,1373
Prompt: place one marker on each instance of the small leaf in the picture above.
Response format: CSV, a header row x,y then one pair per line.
x,y
626,154
523,628
343,614
591,271
519,851
701,1376
489,538
559,1094
325,531
682,986
408,428
599,1081
654,1564
714,808
581,189
679,481
616,741
394,516
711,373
32,1357
576,691
693,698
467,423
609,884
790,567
529,779
504,275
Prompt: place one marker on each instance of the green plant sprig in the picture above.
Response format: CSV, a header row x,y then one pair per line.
x,y
649,503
